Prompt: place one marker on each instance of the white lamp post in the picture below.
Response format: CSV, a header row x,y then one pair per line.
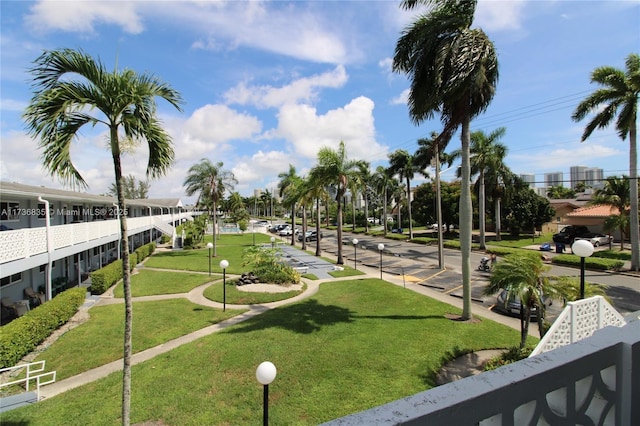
x,y
582,248
209,246
224,264
273,242
380,248
355,252
266,373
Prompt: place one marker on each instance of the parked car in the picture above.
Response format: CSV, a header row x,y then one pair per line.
x,y
569,233
309,236
510,304
597,239
277,228
285,231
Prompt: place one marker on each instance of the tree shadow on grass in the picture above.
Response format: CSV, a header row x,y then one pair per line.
x,y
305,317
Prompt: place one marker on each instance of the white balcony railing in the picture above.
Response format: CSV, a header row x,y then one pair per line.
x,y
23,243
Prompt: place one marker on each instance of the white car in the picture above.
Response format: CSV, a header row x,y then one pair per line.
x,y
598,239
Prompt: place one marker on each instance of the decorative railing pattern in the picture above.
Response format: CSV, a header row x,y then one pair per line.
x,y
23,243
595,381
579,320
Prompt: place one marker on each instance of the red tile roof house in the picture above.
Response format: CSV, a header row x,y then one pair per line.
x,y
593,217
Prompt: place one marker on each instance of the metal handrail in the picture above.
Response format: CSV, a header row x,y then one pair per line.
x,y
32,367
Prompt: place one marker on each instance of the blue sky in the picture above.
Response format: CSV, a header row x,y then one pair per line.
x,y
267,84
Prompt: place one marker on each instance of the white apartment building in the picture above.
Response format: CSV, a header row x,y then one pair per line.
x,y
529,178
48,234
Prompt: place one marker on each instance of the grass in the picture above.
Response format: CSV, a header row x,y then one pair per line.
x,y
354,345
238,297
99,340
147,283
520,241
347,271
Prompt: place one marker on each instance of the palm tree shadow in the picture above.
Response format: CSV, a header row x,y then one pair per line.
x,y
305,318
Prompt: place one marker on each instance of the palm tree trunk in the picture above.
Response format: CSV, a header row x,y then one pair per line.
x,y
366,212
293,223
634,235
353,213
465,220
318,251
340,260
481,210
304,229
384,212
497,220
409,207
215,223
439,211
525,320
126,283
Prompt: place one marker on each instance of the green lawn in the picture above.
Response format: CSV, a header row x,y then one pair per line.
x,y
147,282
354,345
198,260
100,340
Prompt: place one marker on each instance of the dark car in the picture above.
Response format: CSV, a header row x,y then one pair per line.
x,y
570,233
309,236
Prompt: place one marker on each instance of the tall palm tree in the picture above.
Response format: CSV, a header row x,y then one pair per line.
x,y
499,180
428,150
615,192
486,155
402,163
334,168
210,181
381,183
620,91
288,189
123,101
453,71
315,189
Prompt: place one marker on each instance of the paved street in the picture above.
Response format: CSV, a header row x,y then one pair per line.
x,y
418,263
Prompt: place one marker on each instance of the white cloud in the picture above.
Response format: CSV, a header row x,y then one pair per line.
x,y
301,90
82,16
493,15
563,158
402,98
260,164
354,124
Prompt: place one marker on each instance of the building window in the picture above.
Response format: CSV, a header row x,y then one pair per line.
x,y
11,279
9,210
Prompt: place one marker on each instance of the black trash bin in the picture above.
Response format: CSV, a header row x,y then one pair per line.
x,y
559,248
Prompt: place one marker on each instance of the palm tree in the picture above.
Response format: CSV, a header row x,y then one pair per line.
x,y
124,101
288,188
620,90
334,168
429,150
453,70
499,179
486,155
381,182
402,163
210,181
315,189
522,277
615,193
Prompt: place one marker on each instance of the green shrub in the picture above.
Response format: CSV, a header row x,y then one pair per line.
x,y
22,335
589,263
268,267
165,239
512,355
424,240
105,277
133,260
613,254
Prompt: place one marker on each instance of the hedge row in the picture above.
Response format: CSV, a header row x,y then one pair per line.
x,y
504,251
107,276
22,335
590,262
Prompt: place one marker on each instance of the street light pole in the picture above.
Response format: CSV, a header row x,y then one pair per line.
x,y
584,249
209,246
266,373
224,264
273,242
355,252
380,248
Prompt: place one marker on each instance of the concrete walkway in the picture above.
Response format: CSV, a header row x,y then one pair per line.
x,y
468,363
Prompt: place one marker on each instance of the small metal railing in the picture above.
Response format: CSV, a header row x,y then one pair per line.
x,y
34,373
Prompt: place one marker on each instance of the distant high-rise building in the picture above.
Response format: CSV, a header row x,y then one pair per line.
x,y
593,176
529,178
553,179
578,174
